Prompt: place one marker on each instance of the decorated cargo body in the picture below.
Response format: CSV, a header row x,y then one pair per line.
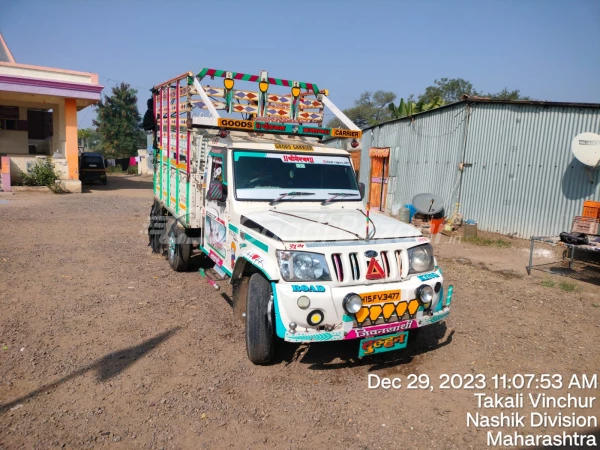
x,y
283,216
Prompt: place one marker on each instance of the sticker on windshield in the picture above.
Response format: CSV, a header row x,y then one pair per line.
x,y
296,158
312,159
300,166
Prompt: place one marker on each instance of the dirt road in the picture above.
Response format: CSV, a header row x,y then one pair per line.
x,y
102,344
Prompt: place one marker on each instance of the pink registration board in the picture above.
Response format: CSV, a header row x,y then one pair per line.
x,y
385,328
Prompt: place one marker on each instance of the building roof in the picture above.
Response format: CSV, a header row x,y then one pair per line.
x,y
38,80
473,99
5,54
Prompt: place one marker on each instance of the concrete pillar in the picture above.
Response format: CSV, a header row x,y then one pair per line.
x,y
59,139
71,149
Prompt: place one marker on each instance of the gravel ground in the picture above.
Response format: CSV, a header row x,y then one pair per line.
x,y
103,344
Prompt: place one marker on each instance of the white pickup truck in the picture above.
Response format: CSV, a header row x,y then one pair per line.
x,y
284,217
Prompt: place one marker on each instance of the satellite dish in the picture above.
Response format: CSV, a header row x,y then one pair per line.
x,y
428,204
586,148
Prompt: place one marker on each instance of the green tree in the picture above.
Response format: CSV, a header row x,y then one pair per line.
x,y
83,136
448,89
369,109
118,122
505,94
90,139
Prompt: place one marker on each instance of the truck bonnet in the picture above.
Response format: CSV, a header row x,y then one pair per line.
x,y
346,224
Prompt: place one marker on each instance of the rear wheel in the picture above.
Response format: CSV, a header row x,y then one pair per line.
x,y
178,249
260,337
156,228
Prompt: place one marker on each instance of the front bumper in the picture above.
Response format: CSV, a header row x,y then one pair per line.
x,y
403,310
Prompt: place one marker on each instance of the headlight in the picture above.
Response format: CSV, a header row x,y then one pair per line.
x,y
303,266
352,303
425,293
421,259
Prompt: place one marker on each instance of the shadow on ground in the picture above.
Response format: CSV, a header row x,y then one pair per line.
x,y
343,354
116,183
587,273
106,367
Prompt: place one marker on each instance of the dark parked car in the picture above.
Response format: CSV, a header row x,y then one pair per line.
x,y
92,167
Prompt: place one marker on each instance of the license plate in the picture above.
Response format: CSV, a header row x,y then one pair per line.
x,y
93,165
383,344
380,297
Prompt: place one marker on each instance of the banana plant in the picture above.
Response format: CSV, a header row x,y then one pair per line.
x,y
409,108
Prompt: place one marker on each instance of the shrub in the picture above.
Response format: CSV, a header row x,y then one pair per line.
x,y
567,287
42,173
132,170
114,169
486,242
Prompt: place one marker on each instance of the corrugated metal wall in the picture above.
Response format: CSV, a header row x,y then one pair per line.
x,y
523,179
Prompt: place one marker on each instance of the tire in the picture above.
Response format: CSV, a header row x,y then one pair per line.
x,y
156,228
178,250
105,181
260,336
240,297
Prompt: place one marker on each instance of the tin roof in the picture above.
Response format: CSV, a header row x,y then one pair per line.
x,y
474,99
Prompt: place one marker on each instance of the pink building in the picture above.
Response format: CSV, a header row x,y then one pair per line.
x,y
38,115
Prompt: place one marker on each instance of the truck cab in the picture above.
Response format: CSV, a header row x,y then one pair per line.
x,y
283,217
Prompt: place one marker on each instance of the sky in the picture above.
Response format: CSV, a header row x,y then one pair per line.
x,y
549,50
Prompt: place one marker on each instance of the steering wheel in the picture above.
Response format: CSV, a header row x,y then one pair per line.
x,y
255,181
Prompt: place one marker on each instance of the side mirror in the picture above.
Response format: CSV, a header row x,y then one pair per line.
x,y
215,191
361,188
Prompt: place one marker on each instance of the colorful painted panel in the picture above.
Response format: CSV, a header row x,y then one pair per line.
x,y
285,99
274,112
216,235
308,104
202,105
214,92
245,95
389,343
245,108
310,117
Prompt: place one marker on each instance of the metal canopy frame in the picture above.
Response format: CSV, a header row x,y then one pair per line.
x,y
299,113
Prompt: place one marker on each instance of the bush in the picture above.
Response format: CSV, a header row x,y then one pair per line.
x,y
42,173
132,170
114,169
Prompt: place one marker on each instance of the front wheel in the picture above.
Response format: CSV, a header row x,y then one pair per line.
x,y
260,336
178,250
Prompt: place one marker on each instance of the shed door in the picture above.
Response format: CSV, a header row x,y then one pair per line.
x,y
380,168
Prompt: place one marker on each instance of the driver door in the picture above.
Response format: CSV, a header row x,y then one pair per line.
x,y
215,236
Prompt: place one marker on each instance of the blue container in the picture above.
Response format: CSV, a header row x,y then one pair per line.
x,y
412,210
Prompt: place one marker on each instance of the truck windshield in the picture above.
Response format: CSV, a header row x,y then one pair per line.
x,y
266,176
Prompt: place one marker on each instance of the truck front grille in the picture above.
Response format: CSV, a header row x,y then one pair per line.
x,y
349,267
336,258
354,266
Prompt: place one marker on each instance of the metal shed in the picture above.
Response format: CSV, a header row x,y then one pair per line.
x,y
519,176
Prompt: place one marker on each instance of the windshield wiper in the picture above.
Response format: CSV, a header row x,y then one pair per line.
x,y
289,194
341,194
